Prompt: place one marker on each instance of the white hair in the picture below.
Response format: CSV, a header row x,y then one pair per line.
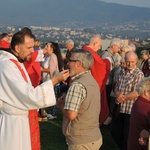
x,y
71,42
133,47
126,48
144,85
131,53
95,38
145,52
116,41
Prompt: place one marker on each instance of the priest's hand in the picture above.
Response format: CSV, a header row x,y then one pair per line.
x,y
61,76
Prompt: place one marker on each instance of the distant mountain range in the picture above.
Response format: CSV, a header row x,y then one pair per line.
x,y
69,13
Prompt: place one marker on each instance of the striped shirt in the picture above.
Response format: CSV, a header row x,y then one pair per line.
x,y
75,95
128,82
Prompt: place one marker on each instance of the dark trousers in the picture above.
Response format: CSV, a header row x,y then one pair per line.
x,y
120,130
108,91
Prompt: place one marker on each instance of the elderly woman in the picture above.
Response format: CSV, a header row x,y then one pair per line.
x,y
140,118
145,65
124,49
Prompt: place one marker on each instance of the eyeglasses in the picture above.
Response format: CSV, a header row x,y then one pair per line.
x,y
69,60
122,50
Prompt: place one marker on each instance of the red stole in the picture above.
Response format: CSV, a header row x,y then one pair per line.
x,y
100,71
33,118
33,69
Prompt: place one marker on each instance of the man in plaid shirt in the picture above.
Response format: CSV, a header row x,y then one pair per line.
x,y
126,94
82,104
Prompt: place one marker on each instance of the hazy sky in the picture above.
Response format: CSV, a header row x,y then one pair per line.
x,y
140,3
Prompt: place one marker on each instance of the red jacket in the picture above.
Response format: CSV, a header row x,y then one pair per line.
x,y
4,44
100,71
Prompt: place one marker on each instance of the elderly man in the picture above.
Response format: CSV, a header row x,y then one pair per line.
x,y
112,55
112,52
126,94
140,116
99,66
19,99
69,46
100,71
81,106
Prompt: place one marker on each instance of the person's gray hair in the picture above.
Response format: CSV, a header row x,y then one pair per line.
x,y
133,47
70,42
95,37
116,41
126,48
131,53
145,52
84,56
144,85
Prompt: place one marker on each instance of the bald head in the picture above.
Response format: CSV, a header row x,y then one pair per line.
x,y
95,38
131,60
95,42
130,54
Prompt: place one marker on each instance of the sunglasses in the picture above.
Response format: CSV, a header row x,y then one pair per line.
x,y
72,60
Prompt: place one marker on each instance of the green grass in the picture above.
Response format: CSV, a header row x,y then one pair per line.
x,y
108,142
51,136
53,139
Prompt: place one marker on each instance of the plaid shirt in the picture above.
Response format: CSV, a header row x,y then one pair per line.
x,y
127,82
75,95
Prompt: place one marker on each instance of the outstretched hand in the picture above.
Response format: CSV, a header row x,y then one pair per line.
x,y
61,76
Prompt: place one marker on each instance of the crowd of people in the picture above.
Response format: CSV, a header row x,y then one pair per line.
x,y
92,90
